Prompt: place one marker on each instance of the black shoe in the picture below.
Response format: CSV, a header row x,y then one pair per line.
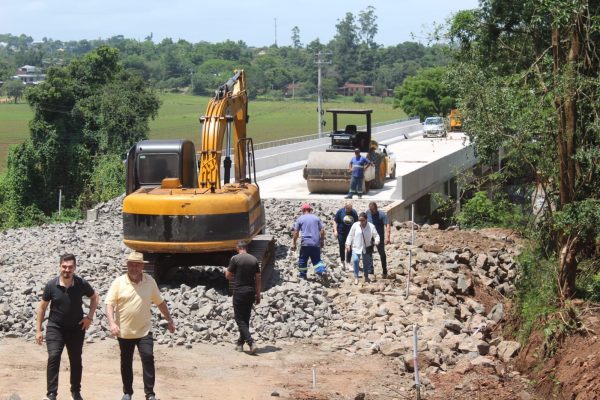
x,y
51,396
76,396
151,397
126,396
348,197
360,196
253,348
239,347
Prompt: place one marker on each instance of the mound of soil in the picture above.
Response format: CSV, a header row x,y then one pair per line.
x,y
572,373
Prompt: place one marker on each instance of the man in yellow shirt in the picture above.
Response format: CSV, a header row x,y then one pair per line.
x,y
128,303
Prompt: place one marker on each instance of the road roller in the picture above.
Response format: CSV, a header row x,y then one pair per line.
x,y
328,172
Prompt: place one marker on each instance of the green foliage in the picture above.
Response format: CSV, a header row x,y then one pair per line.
x,y
480,211
358,97
526,75
66,215
107,181
88,109
425,94
14,88
593,289
535,297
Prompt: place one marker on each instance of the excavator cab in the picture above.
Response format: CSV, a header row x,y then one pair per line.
x,y
350,137
151,161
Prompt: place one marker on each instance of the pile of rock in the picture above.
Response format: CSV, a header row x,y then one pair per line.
x,y
355,319
291,308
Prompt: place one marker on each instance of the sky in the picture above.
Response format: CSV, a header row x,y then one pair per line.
x,y
256,22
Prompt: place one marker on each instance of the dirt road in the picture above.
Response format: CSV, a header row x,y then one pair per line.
x,y
203,372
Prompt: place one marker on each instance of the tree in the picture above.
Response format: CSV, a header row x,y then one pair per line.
x,y
425,94
344,45
528,78
90,108
14,88
368,27
296,38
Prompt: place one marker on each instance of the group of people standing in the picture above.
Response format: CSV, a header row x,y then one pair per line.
x,y
357,234
128,312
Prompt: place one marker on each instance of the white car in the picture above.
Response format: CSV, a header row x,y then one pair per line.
x,y
434,127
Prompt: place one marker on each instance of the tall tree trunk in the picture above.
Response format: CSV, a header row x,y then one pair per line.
x,y
566,108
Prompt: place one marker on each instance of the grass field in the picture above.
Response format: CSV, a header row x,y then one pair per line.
x,y
178,118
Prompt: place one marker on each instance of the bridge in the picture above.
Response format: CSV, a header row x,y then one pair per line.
x,y
423,166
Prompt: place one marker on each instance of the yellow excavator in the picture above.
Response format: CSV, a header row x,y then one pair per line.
x,y
178,212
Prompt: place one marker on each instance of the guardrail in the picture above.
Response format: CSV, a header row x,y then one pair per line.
x,y
304,138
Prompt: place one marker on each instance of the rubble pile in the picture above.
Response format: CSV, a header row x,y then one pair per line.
x,y
446,283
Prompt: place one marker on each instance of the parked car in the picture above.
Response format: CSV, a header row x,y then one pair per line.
x,y
434,127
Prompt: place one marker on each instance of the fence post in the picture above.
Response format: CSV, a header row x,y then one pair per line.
x,y
416,361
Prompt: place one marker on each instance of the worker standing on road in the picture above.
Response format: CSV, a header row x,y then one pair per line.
x,y
66,323
245,272
380,220
345,217
128,304
312,233
361,239
357,167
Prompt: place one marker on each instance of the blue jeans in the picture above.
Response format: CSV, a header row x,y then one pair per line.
x,y
356,186
367,263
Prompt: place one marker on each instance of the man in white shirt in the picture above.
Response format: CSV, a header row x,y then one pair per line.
x,y
361,239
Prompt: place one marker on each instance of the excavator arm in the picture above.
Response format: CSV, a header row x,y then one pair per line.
x,y
225,121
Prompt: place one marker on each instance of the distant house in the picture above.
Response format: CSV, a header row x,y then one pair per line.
x,y
350,89
291,89
29,75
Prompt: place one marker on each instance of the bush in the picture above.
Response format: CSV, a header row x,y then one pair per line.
x,y
593,288
107,182
66,215
358,98
480,211
536,289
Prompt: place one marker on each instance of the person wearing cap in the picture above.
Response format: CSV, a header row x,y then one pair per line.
x,y
128,303
244,270
312,232
345,217
66,324
357,167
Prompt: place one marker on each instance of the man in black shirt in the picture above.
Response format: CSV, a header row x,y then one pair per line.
x,y
245,272
66,323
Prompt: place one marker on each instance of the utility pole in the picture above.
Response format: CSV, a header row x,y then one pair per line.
x,y
275,32
320,111
192,80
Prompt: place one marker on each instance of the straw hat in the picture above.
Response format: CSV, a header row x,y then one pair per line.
x,y
135,256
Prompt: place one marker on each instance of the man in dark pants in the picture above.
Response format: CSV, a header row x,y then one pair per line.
x,y
66,324
128,304
245,272
345,217
312,233
380,220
